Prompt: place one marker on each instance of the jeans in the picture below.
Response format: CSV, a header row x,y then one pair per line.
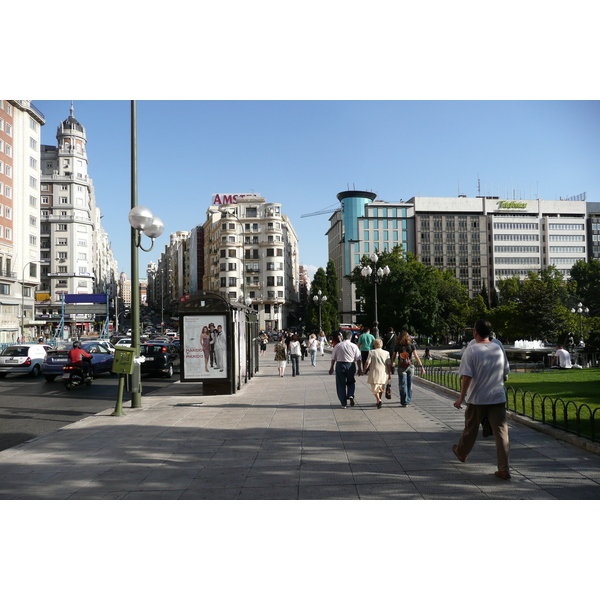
x,y
313,357
345,383
405,384
295,364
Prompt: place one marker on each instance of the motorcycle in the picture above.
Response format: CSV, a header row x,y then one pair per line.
x,y
74,375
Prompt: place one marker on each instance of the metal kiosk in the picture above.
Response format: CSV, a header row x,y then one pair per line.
x,y
218,342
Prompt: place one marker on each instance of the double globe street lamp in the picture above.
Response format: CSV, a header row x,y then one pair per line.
x,y
319,299
581,309
375,276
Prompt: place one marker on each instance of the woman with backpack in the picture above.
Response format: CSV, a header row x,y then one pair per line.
x,y
405,350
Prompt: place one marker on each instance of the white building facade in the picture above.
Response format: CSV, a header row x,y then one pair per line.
x,y
252,256
20,262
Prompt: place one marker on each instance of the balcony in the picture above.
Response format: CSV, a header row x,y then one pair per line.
x,y
8,274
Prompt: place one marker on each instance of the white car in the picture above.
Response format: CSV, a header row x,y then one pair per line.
x,y
124,342
23,358
106,345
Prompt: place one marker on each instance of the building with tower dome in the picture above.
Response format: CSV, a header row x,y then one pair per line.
x,y
76,249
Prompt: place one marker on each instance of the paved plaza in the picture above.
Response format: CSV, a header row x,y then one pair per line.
x,y
289,439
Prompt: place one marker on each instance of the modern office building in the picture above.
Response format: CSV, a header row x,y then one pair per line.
x,y
593,229
74,245
486,239
363,225
20,261
251,255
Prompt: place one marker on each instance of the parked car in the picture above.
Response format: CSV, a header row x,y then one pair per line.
x,y
56,359
23,358
161,358
107,344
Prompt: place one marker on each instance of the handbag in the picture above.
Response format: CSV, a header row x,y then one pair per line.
x,y
388,391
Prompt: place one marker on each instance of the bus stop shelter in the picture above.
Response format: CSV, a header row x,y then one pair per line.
x,y
219,342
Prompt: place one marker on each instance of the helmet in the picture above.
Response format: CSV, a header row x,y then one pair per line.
x,y
77,344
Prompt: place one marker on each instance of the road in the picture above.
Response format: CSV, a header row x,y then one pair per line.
x,y
32,407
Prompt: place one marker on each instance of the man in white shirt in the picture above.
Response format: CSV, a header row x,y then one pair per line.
x,y
484,369
343,358
562,359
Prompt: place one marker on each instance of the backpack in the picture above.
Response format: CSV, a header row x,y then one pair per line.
x,y
389,342
404,359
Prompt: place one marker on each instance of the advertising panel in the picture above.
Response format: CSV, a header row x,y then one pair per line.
x,y
204,346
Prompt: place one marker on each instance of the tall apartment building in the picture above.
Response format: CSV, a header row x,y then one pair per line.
x,y
486,239
20,134
363,225
251,252
73,242
593,229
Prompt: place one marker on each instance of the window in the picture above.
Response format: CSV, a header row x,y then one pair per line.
x,y
61,241
45,200
32,201
270,281
8,129
232,282
8,212
32,240
8,171
33,221
8,233
32,162
33,124
61,227
64,255
33,182
232,267
8,149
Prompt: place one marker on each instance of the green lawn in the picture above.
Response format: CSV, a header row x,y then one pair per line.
x,y
578,385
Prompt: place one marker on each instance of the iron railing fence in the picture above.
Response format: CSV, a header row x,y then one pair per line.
x,y
569,416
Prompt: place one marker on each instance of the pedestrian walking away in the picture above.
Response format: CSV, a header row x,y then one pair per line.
x,y
295,354
322,339
380,370
483,370
405,351
389,343
312,349
365,344
280,356
347,361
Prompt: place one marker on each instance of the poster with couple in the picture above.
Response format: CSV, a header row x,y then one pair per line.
x,y
205,347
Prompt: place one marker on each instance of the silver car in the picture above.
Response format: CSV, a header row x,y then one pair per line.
x,y
23,359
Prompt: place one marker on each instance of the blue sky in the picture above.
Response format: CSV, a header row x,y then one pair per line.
x,y
302,153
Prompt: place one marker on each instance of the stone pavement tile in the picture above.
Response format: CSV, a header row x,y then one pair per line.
x,y
269,493
325,477
378,477
569,489
375,466
327,492
218,477
516,488
387,491
218,493
169,494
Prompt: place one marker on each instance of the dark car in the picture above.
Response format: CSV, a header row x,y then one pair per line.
x,y
57,358
161,358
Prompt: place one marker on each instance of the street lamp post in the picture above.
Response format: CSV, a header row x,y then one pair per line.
x,y
141,220
319,299
375,276
23,298
580,309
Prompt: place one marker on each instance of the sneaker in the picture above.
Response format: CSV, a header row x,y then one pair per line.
x,y
351,399
502,474
461,458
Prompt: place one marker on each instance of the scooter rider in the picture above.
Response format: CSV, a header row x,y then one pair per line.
x,y
76,355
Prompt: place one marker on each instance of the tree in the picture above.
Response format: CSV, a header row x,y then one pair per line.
x,y
406,298
319,284
586,277
533,308
332,317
